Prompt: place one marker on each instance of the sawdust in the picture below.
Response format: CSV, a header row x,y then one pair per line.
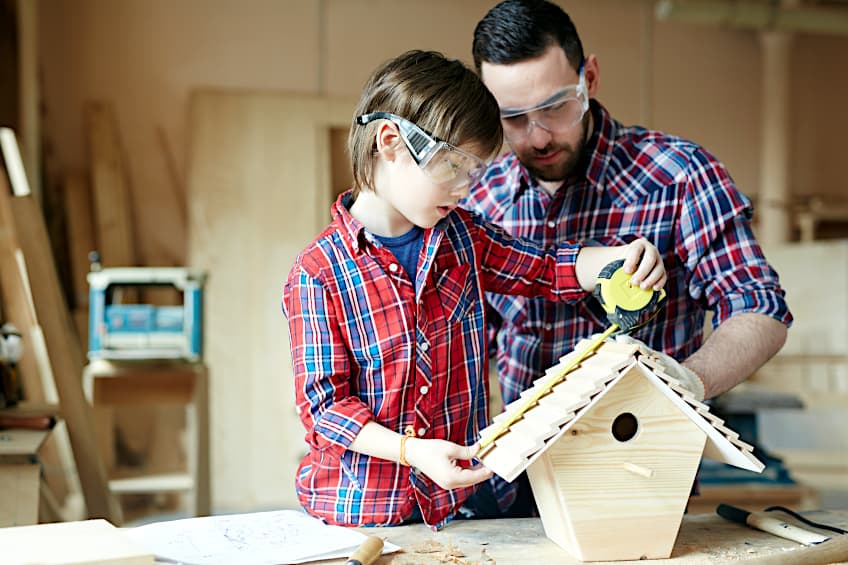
x,y
432,552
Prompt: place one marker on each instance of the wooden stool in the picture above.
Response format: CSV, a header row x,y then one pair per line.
x,y
109,384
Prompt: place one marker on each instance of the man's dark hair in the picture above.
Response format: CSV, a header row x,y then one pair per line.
x,y
516,30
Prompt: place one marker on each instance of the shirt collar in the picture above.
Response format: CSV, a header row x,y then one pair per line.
x,y
355,233
352,230
600,145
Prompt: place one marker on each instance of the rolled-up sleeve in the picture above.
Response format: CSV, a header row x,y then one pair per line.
x,y
726,266
332,416
522,267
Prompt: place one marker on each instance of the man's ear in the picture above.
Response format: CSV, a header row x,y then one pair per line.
x,y
593,75
388,140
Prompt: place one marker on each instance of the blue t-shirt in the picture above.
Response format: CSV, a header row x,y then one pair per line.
x,y
406,248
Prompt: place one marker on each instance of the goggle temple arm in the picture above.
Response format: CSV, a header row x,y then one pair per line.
x,y
419,143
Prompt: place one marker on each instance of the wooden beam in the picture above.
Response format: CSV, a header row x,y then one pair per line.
x,y
79,214
112,199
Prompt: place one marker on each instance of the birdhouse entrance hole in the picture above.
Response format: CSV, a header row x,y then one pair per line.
x,y
624,427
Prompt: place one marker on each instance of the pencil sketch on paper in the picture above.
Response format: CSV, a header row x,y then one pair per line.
x,y
260,538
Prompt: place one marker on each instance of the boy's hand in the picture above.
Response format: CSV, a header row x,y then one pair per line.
x,y
643,260
438,458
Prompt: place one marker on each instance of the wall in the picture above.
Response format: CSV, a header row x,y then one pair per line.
x,y
147,56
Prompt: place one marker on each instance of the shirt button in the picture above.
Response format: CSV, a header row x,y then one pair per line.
x,y
549,327
393,267
424,389
552,224
421,432
425,346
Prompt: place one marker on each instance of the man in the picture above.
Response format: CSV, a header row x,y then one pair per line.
x,y
574,173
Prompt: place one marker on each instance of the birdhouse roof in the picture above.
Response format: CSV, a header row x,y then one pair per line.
x,y
548,418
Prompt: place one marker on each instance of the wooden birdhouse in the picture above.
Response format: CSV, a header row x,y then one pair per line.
x,y
611,452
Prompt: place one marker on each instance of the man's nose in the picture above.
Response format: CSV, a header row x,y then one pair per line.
x,y
542,134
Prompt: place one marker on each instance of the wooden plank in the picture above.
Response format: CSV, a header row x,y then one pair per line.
x,y
69,543
247,153
21,213
79,216
18,494
21,442
112,199
30,91
150,388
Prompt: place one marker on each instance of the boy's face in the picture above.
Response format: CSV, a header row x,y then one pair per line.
x,y
406,193
548,146
416,197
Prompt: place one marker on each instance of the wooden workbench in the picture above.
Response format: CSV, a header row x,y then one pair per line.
x,y
703,538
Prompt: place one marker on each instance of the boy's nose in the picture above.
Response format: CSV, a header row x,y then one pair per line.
x,y
462,191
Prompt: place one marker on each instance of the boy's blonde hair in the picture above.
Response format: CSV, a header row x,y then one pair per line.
x,y
440,95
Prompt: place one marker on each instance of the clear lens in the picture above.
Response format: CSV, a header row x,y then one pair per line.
x,y
557,114
452,167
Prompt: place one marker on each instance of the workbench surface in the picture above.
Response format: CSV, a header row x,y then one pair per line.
x,y
703,538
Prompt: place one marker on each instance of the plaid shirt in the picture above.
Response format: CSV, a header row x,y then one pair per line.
x,y
368,345
634,183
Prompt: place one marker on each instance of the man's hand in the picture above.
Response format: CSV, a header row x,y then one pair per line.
x,y
438,458
687,377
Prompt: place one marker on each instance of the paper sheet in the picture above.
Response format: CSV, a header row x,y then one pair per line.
x,y
260,538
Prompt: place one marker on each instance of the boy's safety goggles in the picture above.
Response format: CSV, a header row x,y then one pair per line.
x,y
447,165
558,113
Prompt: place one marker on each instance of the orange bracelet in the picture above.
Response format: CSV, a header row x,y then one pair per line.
x,y
408,433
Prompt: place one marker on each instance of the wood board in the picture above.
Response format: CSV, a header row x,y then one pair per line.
x,y
259,185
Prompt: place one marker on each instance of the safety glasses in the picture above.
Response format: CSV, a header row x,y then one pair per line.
x,y
558,113
448,166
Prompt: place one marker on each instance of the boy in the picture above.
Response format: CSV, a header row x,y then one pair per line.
x,y
386,307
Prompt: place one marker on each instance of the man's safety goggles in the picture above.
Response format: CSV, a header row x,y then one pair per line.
x,y
558,113
447,165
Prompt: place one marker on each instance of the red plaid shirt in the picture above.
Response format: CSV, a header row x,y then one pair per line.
x,y
368,344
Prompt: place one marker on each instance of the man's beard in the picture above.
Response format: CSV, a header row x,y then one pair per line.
x,y
559,171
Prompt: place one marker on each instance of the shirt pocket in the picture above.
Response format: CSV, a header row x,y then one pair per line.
x,y
454,288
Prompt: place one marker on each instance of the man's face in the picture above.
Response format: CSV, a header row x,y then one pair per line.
x,y
550,137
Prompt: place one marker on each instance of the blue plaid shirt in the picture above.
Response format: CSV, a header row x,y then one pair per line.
x,y
632,183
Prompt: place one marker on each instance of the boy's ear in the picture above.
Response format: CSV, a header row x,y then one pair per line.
x,y
388,140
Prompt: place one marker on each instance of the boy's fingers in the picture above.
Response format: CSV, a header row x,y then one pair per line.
x,y
632,256
474,475
657,278
653,273
644,271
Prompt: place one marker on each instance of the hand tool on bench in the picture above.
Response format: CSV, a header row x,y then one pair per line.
x,y
761,521
627,307
825,549
370,550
